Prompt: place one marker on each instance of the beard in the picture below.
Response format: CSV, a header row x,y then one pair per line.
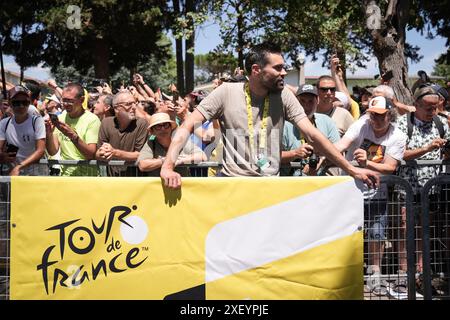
x,y
274,86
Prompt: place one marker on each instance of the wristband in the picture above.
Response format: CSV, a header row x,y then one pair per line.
x,y
75,141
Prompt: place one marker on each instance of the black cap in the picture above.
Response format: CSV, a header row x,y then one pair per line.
x,y
307,88
424,90
441,91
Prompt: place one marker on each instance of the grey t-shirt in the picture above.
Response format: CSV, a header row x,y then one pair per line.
x,y
228,104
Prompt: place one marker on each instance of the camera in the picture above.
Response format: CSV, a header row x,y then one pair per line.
x,y
12,148
313,161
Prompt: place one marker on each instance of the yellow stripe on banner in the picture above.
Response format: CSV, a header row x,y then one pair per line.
x,y
329,271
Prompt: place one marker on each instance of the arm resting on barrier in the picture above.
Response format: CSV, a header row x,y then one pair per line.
x,y
146,165
33,158
171,178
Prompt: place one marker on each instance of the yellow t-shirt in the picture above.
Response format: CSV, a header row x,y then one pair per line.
x,y
354,109
87,127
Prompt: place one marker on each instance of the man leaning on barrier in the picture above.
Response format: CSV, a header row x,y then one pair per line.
x,y
122,137
154,151
246,109
427,135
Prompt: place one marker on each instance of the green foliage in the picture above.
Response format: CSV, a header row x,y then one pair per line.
x,y
113,33
442,70
216,62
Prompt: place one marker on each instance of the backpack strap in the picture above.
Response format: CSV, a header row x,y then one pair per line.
x,y
7,124
33,122
439,126
436,120
410,124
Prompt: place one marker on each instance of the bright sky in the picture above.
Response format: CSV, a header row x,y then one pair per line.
x,y
208,37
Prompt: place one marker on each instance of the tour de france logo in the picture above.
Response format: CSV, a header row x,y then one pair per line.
x,y
80,239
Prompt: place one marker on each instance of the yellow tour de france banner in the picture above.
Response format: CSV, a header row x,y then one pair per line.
x,y
221,238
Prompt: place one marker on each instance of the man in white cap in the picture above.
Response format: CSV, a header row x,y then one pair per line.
x,y
22,136
154,152
375,143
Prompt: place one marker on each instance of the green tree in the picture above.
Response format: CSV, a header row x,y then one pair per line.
x,y
240,24
442,70
112,34
187,17
21,34
216,62
354,30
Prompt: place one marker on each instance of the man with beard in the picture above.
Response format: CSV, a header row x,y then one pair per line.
x,y
76,134
251,117
122,137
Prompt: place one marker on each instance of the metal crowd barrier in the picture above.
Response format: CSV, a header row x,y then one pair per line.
x,y
435,216
118,168
5,206
389,242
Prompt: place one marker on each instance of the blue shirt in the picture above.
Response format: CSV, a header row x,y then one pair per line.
x,y
292,135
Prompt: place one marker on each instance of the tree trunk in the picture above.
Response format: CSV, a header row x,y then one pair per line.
x,y
189,47
5,96
389,47
101,59
21,50
179,54
240,35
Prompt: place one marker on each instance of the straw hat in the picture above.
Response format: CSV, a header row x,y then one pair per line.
x,y
161,117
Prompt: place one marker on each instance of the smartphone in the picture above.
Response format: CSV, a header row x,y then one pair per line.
x,y
12,148
175,97
53,118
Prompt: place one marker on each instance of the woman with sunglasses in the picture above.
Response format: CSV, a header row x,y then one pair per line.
x,y
154,151
22,136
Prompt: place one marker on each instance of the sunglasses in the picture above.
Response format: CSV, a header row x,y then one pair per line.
x,y
325,89
19,103
68,102
126,105
165,125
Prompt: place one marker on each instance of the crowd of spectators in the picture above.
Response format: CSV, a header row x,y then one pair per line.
x,y
136,124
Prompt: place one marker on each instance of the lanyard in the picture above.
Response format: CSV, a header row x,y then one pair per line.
x,y
313,121
262,139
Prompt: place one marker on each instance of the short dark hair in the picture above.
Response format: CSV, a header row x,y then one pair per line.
x,y
75,86
258,55
34,88
324,77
